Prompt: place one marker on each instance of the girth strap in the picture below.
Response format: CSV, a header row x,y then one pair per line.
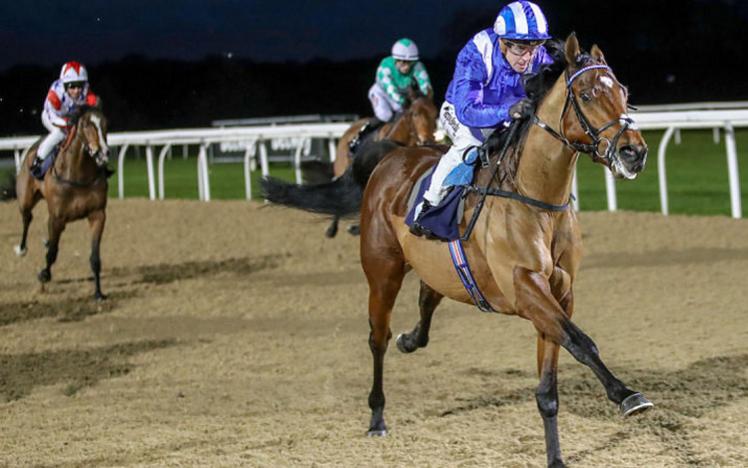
x,y
459,259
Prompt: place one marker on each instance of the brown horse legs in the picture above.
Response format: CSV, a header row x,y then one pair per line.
x,y
96,221
428,299
28,199
385,278
536,303
546,395
27,217
55,227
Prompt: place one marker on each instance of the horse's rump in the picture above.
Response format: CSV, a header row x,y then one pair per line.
x,y
399,170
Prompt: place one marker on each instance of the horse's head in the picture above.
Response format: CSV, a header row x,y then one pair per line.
x,y
595,118
92,129
423,114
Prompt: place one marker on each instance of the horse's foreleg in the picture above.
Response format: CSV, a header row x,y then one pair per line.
x,y
535,302
546,395
26,216
55,227
385,278
96,221
428,300
27,199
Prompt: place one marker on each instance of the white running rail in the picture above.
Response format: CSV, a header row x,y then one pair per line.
x,y
722,116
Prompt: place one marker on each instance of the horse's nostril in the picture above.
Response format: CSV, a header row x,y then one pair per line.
x,y
630,153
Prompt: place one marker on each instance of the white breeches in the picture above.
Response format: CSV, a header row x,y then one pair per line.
x,y
56,135
462,139
384,107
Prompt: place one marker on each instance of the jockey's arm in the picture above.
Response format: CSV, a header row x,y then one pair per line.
x,y
92,99
53,108
384,79
470,76
423,80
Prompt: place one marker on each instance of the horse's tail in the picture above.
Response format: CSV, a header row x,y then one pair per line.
x,y
8,185
342,196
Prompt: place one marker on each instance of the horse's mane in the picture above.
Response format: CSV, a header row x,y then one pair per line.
x,y
537,85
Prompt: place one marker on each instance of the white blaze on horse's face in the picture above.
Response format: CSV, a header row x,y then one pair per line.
x,y
607,81
103,147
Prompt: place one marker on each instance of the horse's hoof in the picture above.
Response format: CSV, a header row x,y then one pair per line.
x,y
401,345
99,297
45,276
377,433
20,251
354,230
331,232
636,403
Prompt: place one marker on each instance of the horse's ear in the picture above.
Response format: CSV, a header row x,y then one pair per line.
x,y
598,54
572,48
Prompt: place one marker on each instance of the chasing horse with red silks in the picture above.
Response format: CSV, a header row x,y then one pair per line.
x,y
414,126
524,241
74,187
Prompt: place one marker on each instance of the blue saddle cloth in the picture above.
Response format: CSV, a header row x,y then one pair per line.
x,y
41,171
442,220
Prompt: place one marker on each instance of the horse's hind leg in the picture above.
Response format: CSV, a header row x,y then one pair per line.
x,y
385,276
55,227
332,229
428,299
96,221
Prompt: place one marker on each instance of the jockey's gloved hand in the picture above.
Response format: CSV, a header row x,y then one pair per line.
x,y
522,109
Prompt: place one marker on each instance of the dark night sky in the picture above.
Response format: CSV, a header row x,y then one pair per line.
x,y
50,32
161,63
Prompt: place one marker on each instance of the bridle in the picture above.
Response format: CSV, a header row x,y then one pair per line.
x,y
96,156
609,155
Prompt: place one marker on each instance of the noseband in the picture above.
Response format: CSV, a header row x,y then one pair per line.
x,y
626,122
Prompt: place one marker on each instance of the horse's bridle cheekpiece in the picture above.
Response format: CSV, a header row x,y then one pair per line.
x,y
626,122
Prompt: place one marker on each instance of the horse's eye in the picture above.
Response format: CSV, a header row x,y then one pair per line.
x,y
586,97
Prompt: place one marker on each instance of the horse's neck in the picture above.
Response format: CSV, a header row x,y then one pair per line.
x,y
546,166
400,130
72,163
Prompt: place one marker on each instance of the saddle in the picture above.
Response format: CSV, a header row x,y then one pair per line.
x,y
443,221
39,169
365,133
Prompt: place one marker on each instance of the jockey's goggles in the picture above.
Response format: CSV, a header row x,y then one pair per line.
x,y
522,48
74,84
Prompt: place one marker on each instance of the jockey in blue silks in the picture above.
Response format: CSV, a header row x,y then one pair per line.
x,y
486,91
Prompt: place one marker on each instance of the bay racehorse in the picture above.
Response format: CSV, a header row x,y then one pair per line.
x,y
414,126
525,249
74,187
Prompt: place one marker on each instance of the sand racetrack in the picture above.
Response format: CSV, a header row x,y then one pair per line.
x,y
236,335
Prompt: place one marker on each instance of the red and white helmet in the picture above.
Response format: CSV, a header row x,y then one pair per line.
x,y
72,72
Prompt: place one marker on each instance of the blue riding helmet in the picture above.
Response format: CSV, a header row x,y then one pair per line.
x,y
522,21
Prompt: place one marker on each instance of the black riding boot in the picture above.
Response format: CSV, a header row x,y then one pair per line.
x,y
36,168
416,228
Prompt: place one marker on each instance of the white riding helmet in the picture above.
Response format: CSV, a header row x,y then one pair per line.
x,y
405,49
73,72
